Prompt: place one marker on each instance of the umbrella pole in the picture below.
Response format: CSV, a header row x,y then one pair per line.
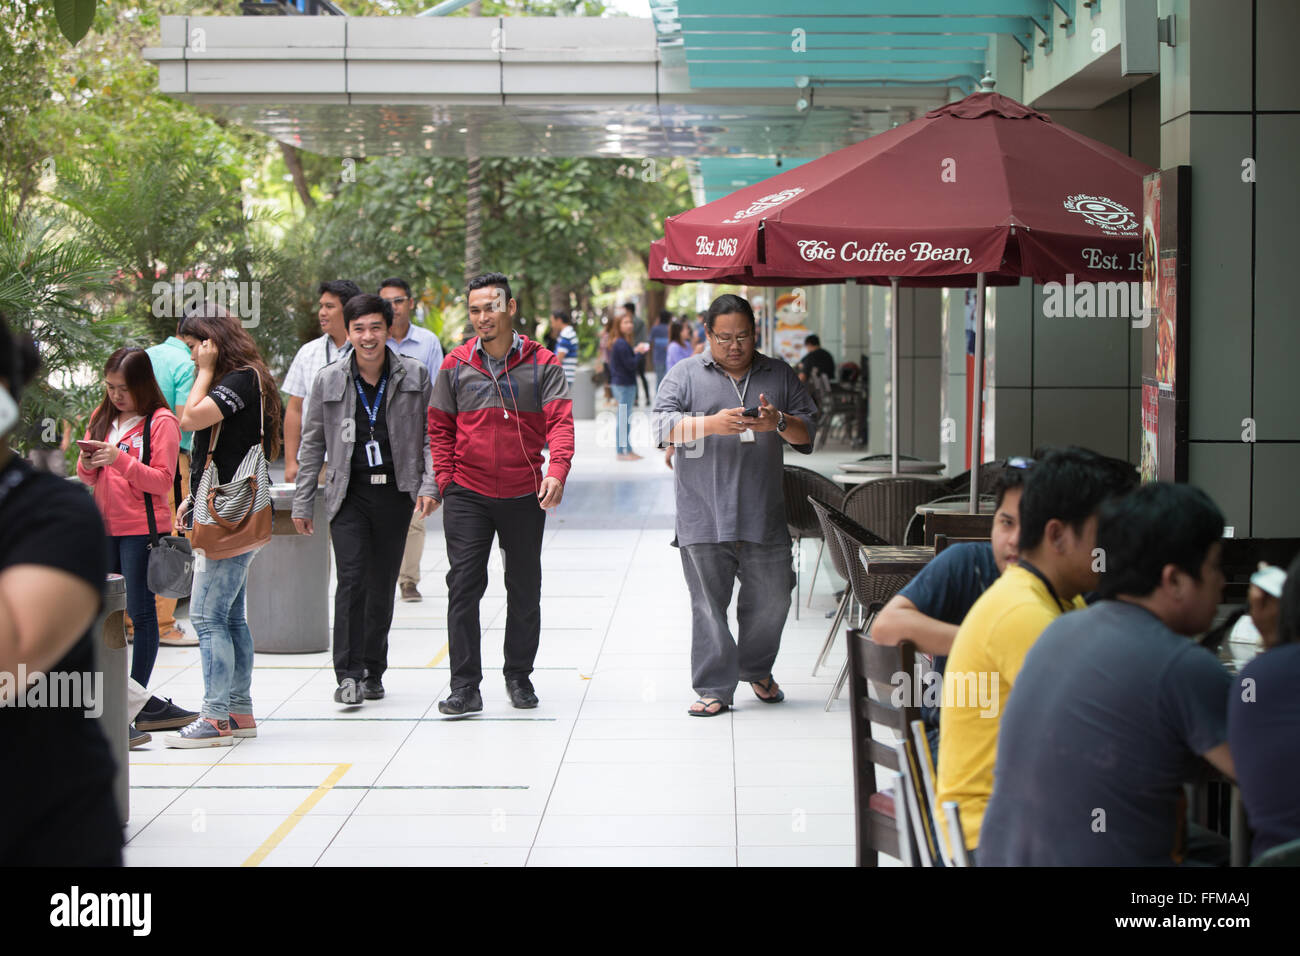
x,y
893,374
977,420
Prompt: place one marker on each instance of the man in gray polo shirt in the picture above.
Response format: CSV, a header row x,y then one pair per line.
x,y
730,507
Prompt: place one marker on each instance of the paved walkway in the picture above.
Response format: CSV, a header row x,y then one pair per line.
x,y
608,770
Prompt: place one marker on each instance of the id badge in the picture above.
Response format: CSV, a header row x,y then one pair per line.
x,y
374,457
747,436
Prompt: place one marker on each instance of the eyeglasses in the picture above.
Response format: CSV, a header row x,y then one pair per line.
x,y
740,339
399,300
1021,463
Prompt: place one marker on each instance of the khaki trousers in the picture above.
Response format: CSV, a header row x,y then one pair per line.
x,y
410,573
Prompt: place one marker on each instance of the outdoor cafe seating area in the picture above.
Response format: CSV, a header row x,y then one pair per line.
x,y
879,534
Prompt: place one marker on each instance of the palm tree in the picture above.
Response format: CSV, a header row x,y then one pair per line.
x,y
46,278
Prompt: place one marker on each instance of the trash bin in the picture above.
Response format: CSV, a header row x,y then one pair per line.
x,y
110,662
289,582
583,394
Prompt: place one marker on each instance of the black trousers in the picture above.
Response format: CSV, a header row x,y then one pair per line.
x,y
470,521
369,535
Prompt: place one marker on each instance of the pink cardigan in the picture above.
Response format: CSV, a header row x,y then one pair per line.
x,y
120,488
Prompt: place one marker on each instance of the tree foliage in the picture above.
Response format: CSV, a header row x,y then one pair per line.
x,y
547,222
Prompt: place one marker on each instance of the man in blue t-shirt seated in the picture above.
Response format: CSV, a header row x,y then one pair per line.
x,y
929,609
1264,718
1115,708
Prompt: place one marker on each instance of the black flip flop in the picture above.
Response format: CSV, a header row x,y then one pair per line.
x,y
767,686
709,702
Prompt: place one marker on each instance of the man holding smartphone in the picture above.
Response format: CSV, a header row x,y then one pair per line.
x,y
733,410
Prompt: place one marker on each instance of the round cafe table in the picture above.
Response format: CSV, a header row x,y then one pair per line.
x,y
987,506
882,467
861,478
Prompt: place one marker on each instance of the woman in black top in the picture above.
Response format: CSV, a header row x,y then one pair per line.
x,y
56,806
233,388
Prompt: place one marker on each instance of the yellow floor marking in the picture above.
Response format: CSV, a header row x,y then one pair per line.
x,y
285,828
439,657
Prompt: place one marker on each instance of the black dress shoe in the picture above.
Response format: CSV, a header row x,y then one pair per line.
x,y
460,703
521,694
372,688
349,693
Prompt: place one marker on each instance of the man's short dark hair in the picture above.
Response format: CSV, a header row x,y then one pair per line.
x,y
1154,526
563,316
366,304
494,280
665,317
813,340
727,304
1009,479
1069,484
396,282
1288,620
630,306
341,289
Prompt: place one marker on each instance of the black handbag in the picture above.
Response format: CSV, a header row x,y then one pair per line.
x,y
171,562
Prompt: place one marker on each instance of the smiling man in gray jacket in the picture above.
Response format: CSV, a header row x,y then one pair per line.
x,y
369,412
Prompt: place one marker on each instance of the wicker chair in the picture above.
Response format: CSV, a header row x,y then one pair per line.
x,y
871,591
798,484
840,562
989,472
886,505
832,406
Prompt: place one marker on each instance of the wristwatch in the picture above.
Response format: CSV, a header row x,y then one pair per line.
x,y
780,421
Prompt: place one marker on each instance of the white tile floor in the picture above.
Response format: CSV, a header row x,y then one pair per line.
x,y
609,770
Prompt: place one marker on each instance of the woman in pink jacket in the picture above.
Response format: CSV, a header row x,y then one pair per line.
x,y
111,462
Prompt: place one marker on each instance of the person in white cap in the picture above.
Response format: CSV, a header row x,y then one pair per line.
x,y
1265,601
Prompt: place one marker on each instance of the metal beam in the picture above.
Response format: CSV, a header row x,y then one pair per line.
x,y
872,55
868,8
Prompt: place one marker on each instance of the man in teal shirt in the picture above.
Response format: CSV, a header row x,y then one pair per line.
x,y
174,370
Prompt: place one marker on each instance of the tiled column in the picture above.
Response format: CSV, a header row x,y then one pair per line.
x,y
1229,93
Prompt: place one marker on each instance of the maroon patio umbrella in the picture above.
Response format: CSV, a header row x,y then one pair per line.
x,y
983,185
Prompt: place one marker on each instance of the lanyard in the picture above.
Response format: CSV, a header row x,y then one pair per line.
x,y
739,393
371,413
1048,584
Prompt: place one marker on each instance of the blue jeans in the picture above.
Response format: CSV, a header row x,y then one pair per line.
x,y
625,395
225,642
129,556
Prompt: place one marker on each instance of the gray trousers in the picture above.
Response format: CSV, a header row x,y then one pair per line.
x,y
766,579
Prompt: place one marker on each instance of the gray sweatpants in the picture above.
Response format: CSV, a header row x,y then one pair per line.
x,y
766,579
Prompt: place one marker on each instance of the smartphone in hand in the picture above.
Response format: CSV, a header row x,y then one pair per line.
x,y
751,412
88,447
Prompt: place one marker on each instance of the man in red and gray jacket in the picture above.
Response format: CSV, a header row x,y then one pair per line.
x,y
497,401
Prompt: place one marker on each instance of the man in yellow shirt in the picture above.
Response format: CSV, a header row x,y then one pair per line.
x,y
1058,563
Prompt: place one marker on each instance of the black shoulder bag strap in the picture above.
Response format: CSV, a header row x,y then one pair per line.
x,y
148,498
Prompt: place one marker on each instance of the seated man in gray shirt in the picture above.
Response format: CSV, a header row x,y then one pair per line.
x,y
1114,707
734,409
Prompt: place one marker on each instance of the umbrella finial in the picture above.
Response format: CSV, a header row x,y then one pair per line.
x,y
987,83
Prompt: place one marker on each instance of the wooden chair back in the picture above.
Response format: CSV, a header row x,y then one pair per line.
x,y
873,677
